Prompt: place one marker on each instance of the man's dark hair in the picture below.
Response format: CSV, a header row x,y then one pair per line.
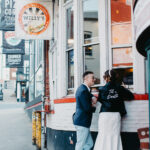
x,y
86,73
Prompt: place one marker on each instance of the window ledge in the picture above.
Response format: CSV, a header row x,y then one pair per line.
x,y
71,99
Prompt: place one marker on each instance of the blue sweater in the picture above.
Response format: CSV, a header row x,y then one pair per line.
x,y
84,109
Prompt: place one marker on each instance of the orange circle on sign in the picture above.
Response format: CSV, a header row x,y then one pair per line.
x,y
34,18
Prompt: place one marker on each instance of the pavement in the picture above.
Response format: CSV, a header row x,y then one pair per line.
x,y
15,125
15,128
9,95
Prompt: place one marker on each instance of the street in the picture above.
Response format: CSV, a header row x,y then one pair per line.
x,y
15,126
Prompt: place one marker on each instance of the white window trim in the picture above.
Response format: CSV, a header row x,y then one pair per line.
x,y
139,86
62,47
78,38
65,4
121,45
79,43
68,5
103,38
94,43
61,56
139,77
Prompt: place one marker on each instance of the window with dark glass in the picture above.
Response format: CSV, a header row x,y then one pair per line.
x,y
121,40
66,1
71,69
91,43
70,28
70,49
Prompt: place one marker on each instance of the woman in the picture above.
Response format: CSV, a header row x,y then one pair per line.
x,y
112,97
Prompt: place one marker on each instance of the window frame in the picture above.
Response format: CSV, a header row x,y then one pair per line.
x,y
138,83
67,5
113,46
97,42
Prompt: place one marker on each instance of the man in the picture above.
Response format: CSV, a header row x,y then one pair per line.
x,y
83,116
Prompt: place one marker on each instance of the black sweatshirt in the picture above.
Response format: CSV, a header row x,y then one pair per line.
x,y
112,97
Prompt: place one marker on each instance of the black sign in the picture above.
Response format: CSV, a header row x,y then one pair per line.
x,y
11,45
7,16
14,60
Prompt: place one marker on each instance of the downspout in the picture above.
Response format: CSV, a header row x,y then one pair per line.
x,y
46,91
46,67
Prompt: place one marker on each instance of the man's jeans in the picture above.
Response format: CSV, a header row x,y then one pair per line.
x,y
84,138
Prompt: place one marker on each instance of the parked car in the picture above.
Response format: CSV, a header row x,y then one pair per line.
x,y
1,92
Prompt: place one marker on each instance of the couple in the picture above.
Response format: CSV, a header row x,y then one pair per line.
x,y
111,97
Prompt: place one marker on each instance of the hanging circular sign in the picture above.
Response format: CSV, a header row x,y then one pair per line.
x,y
34,18
10,38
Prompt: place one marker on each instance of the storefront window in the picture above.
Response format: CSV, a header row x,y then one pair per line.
x,y
70,28
70,50
90,14
32,59
71,69
66,1
92,60
121,38
125,77
121,22
39,82
122,57
31,91
91,42
39,54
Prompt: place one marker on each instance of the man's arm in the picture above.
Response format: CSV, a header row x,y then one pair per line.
x,y
86,105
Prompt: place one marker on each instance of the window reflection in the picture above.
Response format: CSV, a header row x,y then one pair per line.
x,y
39,82
71,69
92,60
70,28
66,1
121,22
121,34
31,92
91,42
122,57
70,50
125,77
90,14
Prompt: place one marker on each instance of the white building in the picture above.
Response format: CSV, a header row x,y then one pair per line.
x,y
93,35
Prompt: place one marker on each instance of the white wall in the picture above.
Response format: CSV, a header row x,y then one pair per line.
x,y
137,117
0,55
4,72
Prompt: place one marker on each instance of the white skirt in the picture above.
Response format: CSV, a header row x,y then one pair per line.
x,y
108,137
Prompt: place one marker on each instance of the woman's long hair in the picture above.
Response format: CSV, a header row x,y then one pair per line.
x,y
112,74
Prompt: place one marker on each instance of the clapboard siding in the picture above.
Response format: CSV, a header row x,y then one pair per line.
x,y
137,117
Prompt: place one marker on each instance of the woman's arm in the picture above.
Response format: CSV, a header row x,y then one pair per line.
x,y
99,99
126,94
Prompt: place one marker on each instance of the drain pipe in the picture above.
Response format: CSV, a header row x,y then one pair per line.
x,y
45,96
